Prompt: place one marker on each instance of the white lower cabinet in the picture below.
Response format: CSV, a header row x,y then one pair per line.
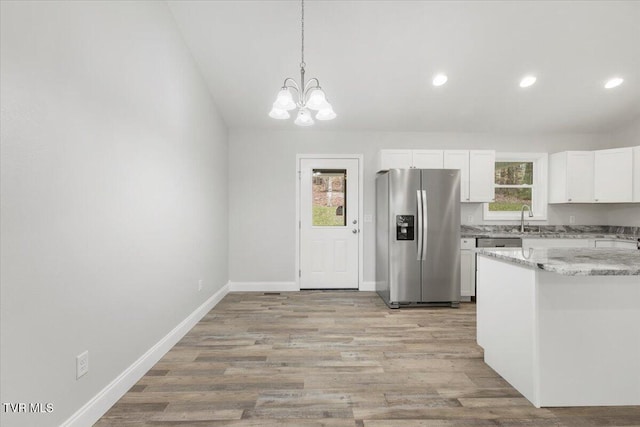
x,y
467,268
611,243
557,243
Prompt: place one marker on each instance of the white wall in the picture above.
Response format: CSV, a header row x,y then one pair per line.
x,y
262,179
114,194
625,136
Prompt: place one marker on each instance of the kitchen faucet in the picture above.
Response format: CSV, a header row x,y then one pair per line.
x,y
522,216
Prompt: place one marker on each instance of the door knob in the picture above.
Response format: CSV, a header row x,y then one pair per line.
x,y
354,231
355,221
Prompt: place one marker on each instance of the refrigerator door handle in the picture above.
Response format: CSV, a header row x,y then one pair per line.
x,y
425,225
419,230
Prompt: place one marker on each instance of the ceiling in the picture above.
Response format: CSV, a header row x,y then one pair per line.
x,y
375,60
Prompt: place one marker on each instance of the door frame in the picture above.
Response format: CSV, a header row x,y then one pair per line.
x,y
298,222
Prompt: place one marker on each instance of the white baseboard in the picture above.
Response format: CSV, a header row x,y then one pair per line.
x,y
263,287
281,287
108,396
368,286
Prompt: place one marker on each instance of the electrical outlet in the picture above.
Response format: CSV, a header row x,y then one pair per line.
x,y
82,364
572,219
200,284
470,219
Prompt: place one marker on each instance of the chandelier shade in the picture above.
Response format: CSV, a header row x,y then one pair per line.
x,y
284,101
278,113
304,118
317,100
326,114
310,95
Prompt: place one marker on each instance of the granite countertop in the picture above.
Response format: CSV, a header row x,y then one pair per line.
x,y
572,261
552,232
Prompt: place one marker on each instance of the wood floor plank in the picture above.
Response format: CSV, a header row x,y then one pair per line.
x,y
335,359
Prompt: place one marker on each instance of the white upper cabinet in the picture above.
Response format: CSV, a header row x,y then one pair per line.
x,y
408,159
636,174
428,159
396,159
476,168
459,159
602,176
571,177
613,175
482,164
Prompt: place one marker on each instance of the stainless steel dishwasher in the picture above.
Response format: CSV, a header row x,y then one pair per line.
x,y
499,242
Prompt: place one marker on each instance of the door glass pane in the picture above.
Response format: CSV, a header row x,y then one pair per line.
x,y
514,173
329,195
511,199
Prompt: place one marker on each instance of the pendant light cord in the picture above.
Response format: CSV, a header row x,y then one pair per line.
x,y
302,64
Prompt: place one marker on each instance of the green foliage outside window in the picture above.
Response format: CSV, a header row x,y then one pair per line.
x,y
514,186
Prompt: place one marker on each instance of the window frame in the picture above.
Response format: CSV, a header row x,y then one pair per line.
x,y
538,188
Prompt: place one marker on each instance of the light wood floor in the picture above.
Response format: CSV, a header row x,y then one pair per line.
x,y
318,358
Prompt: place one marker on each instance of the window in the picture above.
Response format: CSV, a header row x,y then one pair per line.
x,y
328,197
519,179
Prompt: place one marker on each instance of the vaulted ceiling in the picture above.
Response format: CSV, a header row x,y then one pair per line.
x,y
376,60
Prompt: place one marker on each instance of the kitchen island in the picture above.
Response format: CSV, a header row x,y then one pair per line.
x,y
562,325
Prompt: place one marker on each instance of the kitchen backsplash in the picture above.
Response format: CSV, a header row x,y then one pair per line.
x,y
587,229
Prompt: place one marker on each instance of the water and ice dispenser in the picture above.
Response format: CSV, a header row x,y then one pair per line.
x,y
404,227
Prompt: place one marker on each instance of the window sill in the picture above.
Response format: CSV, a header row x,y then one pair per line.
x,y
512,217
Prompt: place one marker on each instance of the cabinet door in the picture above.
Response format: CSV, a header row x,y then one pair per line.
x,y
467,273
395,159
580,177
459,159
558,177
557,243
613,179
626,244
636,174
482,165
428,159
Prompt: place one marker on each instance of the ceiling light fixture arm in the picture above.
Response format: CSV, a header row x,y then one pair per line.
x,y
309,87
289,83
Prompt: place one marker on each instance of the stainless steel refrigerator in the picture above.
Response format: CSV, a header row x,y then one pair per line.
x,y
418,237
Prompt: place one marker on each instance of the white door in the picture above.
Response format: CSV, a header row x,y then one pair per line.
x,y
329,223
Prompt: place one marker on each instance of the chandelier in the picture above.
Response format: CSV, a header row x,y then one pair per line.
x,y
310,96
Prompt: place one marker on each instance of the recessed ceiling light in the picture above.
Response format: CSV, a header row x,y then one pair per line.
x,y
527,81
439,79
614,82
